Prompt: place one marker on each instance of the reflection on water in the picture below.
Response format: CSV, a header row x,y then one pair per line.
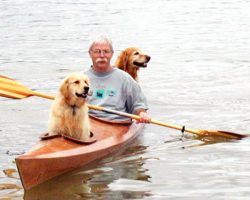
x,y
10,188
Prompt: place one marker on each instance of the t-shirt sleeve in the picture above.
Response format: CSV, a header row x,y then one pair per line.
x,y
135,97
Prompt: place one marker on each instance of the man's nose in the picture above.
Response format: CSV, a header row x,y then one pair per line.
x,y
102,53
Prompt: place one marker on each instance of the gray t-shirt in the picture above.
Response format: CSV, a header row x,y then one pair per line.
x,y
115,90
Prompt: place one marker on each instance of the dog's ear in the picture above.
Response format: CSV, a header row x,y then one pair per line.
x,y
122,60
64,87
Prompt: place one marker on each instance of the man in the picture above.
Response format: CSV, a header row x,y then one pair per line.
x,y
113,88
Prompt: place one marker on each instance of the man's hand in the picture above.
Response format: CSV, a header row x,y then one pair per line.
x,y
144,117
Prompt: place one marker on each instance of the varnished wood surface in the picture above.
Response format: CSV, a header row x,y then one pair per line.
x,y
50,158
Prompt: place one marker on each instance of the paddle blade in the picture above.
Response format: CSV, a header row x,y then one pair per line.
x,y
12,89
226,134
11,94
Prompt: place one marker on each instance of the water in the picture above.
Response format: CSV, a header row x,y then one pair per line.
x,y
198,76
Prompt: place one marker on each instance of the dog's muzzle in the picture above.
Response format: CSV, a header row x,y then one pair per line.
x,y
84,94
142,64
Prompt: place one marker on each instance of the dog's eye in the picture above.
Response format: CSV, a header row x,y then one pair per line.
x,y
136,53
77,82
86,82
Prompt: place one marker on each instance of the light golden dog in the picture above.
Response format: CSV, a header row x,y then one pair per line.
x,y
69,111
131,60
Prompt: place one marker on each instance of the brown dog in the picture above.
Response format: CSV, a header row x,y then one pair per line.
x,y
69,111
131,60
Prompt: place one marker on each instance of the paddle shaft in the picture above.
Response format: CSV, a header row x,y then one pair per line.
x,y
136,117
12,89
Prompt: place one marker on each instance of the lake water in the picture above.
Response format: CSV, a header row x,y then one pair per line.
x,y
198,77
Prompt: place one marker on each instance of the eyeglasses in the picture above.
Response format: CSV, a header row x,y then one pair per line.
x,y
99,51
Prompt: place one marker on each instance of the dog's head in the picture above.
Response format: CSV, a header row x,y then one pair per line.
x,y
75,88
131,60
133,57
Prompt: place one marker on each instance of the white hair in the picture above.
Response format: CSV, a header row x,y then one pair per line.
x,y
101,40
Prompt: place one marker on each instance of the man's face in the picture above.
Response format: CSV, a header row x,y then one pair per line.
x,y
101,55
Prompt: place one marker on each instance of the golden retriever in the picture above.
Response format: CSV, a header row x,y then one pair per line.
x,y
69,111
131,60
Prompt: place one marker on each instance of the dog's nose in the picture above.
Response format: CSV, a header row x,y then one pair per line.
x,y
148,58
86,89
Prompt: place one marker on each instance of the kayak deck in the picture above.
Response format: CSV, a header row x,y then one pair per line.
x,y
50,158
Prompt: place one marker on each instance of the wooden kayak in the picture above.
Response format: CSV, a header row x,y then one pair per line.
x,y
53,157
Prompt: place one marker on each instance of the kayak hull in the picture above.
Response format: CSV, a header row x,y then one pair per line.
x,y
53,157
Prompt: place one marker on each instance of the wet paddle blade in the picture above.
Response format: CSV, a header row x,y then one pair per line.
x,y
214,133
225,134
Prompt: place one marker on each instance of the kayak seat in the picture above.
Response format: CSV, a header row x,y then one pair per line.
x,y
46,136
90,140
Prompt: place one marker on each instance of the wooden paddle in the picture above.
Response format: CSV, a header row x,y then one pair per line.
x,y
12,89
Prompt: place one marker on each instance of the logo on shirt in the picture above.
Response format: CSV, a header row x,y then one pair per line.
x,y
110,92
101,93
